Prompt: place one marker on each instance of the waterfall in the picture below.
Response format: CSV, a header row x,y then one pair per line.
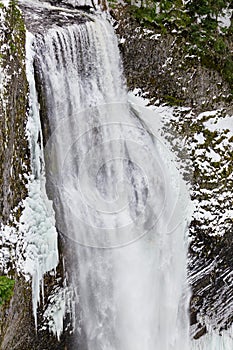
x,y
117,196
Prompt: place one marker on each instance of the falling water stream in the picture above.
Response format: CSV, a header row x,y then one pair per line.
x,y
116,194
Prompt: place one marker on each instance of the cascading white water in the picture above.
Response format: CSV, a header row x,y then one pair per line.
x,y
116,194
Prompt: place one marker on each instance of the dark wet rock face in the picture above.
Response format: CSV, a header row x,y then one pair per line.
x,y
14,152
157,63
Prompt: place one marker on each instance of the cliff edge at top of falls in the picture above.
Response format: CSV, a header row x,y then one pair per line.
x,y
156,60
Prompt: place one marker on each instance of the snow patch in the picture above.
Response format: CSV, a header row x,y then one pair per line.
x,y
214,341
122,41
60,303
199,138
224,20
220,123
208,114
5,2
215,157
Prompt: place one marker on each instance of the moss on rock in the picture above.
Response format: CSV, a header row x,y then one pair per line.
x,y
14,151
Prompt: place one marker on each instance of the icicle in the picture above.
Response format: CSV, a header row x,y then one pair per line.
x,y
37,222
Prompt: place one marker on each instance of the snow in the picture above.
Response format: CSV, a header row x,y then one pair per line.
x,y
2,48
1,79
224,20
61,302
155,36
167,62
147,31
5,2
208,114
122,40
55,312
220,123
214,341
213,207
140,103
215,157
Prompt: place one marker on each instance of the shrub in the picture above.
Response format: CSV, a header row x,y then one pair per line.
x,y
6,289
